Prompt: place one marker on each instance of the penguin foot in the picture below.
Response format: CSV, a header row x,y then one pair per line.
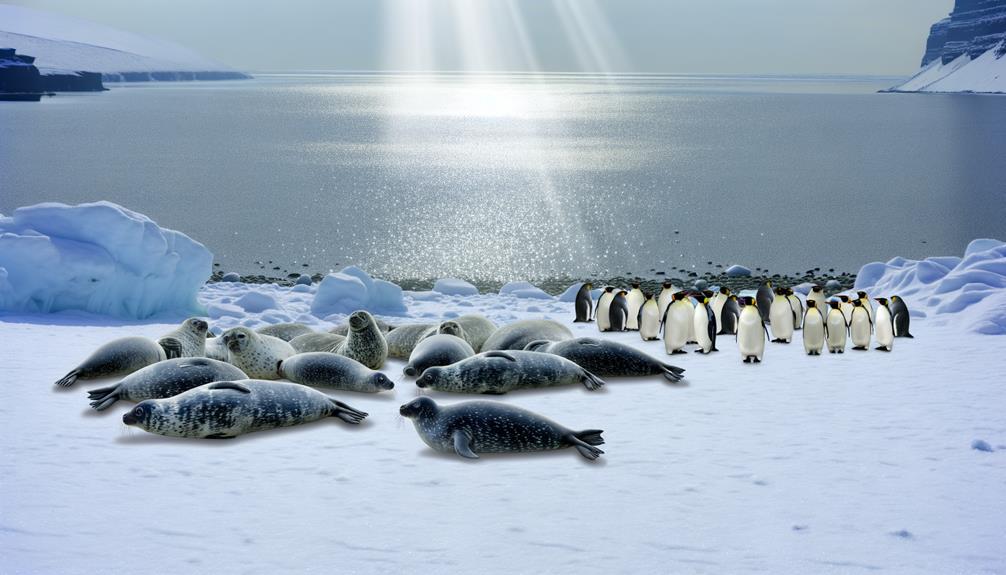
x,y
859,348
678,351
882,348
747,360
756,360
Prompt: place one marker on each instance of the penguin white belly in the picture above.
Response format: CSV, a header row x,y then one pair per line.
x,y
818,299
691,323
813,332
717,305
797,306
603,309
664,300
885,328
750,335
634,301
781,315
649,325
677,326
836,331
700,327
860,329
847,312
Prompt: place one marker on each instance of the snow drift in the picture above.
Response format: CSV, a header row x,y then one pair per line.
x,y
352,289
99,258
969,292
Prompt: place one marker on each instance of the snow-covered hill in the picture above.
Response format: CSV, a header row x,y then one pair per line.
x,y
64,43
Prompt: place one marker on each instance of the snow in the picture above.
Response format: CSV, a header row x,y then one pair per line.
x,y
351,289
454,286
99,258
985,74
570,294
524,290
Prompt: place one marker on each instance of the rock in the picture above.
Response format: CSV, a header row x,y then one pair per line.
x,y
304,280
738,271
232,277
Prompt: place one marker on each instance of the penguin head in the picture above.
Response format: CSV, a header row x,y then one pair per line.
x,y
609,289
708,293
881,300
895,298
725,290
623,293
844,298
811,303
780,291
733,297
833,303
590,285
648,296
666,285
635,285
747,300
862,294
857,303
816,288
705,300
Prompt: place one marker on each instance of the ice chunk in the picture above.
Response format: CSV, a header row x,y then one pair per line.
x,y
569,295
981,245
352,289
256,302
525,290
454,286
100,258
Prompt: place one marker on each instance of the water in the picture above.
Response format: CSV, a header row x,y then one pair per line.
x,y
513,177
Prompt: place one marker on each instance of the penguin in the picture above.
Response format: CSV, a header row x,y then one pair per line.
x,y
751,332
868,305
846,308
860,327
666,296
765,297
836,327
677,323
781,317
817,294
719,300
690,299
814,329
900,316
885,326
704,326
634,301
797,305
603,305
618,312
729,315
649,319
584,303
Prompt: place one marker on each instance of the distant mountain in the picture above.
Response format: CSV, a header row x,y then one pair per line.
x,y
965,52
61,43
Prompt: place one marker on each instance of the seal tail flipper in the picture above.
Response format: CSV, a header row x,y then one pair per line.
x,y
69,379
590,436
346,413
584,442
103,397
105,403
591,381
671,372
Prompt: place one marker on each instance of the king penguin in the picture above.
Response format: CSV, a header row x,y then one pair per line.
x,y
781,317
677,323
765,297
846,308
797,305
665,297
837,328
900,316
649,319
634,300
618,312
719,300
751,333
729,315
603,305
885,326
814,329
867,304
817,294
584,303
860,327
704,326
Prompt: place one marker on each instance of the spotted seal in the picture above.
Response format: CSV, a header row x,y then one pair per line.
x,y
256,354
343,328
520,333
439,349
365,342
316,342
322,369
188,340
117,358
607,358
475,328
215,348
226,409
498,372
165,379
404,338
285,331
472,427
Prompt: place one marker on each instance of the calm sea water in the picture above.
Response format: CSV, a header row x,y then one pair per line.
x,y
509,177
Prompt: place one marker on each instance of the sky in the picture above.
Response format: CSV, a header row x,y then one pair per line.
x,y
882,37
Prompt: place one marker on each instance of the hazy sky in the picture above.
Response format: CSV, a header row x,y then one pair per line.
x,y
676,36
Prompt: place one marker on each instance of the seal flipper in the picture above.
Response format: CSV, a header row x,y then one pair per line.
x,y
499,353
463,444
229,385
69,379
104,397
536,344
671,372
584,442
346,413
591,381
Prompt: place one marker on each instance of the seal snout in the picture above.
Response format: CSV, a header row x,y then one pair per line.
x,y
383,382
129,419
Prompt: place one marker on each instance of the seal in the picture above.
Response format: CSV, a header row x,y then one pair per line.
x,y
226,409
215,348
520,333
116,358
316,342
322,369
477,329
343,329
404,338
472,427
165,379
365,342
285,331
608,358
188,340
255,354
498,372
436,350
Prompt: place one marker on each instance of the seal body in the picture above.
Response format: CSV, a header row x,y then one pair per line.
x,y
188,340
472,427
365,342
608,358
316,342
343,329
436,350
477,329
498,372
116,358
227,409
256,354
323,369
518,334
285,331
584,304
165,379
215,349
404,339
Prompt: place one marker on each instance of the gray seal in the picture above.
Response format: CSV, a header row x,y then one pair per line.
x,y
165,379
476,329
365,342
226,409
117,358
404,338
520,333
285,331
439,349
316,342
188,340
472,427
256,354
322,369
498,372
343,328
607,358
